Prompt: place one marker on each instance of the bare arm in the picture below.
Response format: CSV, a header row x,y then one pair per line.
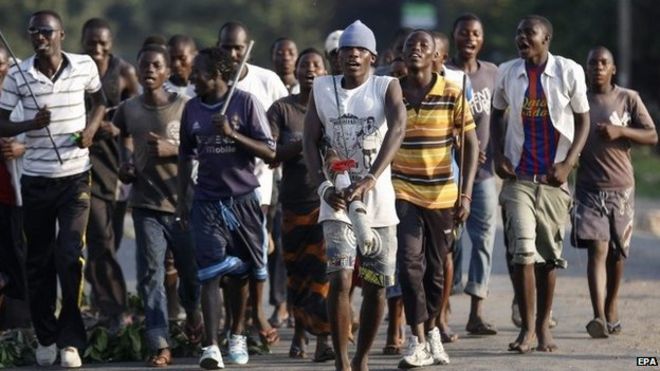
x,y
503,166
10,129
395,113
95,118
131,85
559,172
311,137
646,136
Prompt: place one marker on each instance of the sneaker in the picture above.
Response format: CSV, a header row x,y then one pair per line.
x,y
416,355
238,351
211,358
45,355
434,341
69,358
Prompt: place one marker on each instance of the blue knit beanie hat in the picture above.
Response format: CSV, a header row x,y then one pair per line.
x,y
358,35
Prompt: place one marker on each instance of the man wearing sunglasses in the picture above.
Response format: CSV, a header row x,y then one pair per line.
x,y
54,192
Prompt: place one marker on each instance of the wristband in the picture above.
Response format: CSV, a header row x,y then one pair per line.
x,y
370,175
463,195
324,187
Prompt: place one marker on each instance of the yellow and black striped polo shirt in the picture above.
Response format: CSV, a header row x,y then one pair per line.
x,y
422,169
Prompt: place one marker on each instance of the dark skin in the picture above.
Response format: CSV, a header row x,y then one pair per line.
x,y
48,53
153,70
535,283
309,66
469,38
355,64
182,56
212,88
97,43
284,57
419,53
235,41
604,266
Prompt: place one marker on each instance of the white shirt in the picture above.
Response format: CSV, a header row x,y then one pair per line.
x,y
267,87
565,89
358,135
65,98
186,91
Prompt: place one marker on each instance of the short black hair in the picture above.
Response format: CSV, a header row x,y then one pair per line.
x,y
277,41
48,13
441,36
219,62
465,17
155,39
545,22
429,33
155,48
232,26
309,51
183,40
96,24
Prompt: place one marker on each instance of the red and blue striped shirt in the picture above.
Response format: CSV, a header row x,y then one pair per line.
x,y
541,137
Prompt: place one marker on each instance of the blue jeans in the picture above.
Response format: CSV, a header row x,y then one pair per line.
x,y
481,230
155,231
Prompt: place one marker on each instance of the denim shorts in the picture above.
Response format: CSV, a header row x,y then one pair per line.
x,y
342,251
227,241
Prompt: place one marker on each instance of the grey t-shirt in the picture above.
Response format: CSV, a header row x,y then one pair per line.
x,y
483,83
606,165
156,185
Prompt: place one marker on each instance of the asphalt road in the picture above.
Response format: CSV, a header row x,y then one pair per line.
x,y
640,298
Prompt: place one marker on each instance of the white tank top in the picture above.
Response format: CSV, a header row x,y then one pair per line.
x,y
358,135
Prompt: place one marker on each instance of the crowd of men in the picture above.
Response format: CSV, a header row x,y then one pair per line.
x,y
341,168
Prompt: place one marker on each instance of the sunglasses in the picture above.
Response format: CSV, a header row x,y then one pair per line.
x,y
43,31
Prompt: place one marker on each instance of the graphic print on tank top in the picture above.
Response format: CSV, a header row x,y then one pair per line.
x,y
357,138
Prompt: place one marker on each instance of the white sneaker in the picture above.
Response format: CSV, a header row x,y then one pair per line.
x,y
238,351
416,354
45,355
69,358
211,358
434,341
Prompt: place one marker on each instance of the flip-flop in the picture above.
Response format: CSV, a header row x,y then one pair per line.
x,y
614,328
161,359
597,329
448,337
481,328
297,352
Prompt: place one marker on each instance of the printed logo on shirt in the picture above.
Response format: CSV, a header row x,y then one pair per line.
x,y
535,107
480,102
196,127
172,132
622,120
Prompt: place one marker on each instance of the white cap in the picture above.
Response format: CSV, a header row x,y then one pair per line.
x,y
332,41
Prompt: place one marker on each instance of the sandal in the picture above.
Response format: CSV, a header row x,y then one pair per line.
x,y
614,328
597,329
481,328
162,359
326,354
297,351
391,350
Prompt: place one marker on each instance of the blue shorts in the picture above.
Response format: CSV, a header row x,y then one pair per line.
x,y
230,237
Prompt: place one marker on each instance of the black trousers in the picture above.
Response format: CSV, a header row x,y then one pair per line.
x,y
424,237
50,205
103,272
